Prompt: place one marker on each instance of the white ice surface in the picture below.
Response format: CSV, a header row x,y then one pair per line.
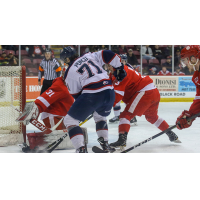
x,y
169,111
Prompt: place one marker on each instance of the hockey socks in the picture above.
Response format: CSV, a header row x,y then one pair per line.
x,y
76,136
102,130
161,124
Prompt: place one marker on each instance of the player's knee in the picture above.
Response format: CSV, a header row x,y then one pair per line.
x,y
98,118
69,121
74,131
126,115
101,125
116,108
151,119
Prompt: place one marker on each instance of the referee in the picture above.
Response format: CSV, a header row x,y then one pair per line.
x,y
50,68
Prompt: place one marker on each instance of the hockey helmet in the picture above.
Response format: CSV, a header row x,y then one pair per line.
x,y
188,52
123,57
68,52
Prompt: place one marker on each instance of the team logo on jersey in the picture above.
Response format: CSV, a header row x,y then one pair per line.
x,y
2,88
188,47
105,82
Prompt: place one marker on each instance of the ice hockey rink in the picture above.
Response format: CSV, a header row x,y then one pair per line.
x,y
190,137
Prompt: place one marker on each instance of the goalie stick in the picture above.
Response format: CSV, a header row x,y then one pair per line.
x,y
157,135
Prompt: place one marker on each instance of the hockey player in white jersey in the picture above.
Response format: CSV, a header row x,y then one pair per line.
x,y
92,88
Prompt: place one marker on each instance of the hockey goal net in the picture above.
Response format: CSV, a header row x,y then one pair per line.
x,y
12,97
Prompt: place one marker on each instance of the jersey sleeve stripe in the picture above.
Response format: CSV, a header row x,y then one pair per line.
x,y
58,69
44,101
120,92
41,69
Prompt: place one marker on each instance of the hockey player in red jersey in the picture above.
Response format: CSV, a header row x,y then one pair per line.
x,y
54,104
117,107
191,55
142,98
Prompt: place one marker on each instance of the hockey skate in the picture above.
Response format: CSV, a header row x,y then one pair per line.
x,y
81,150
173,137
121,142
105,146
133,121
114,119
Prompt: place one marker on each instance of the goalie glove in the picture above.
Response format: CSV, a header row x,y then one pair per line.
x,y
31,111
120,73
182,121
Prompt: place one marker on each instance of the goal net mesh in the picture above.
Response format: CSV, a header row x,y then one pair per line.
x,y
11,95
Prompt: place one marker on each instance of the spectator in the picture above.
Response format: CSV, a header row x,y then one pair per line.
x,y
36,51
157,52
153,71
50,68
103,47
94,48
137,47
122,49
178,72
3,59
188,69
179,47
115,49
87,49
168,51
168,63
164,72
13,61
177,58
147,52
132,60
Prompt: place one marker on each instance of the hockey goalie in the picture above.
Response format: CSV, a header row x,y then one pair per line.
x,y
53,105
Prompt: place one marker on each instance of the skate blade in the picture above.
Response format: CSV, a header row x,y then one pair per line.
x,y
134,124
114,122
119,148
177,141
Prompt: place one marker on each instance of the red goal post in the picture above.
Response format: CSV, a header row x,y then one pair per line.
x,y
12,95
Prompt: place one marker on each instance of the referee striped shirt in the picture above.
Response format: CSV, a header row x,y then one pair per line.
x,y
50,69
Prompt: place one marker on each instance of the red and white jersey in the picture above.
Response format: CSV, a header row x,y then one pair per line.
x,y
131,84
196,81
179,74
86,74
56,100
167,73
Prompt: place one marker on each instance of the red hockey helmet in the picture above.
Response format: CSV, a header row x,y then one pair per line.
x,y
188,52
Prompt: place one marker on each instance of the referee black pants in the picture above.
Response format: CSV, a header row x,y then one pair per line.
x,y
46,84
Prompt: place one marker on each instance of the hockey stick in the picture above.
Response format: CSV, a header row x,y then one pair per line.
x,y
53,145
157,135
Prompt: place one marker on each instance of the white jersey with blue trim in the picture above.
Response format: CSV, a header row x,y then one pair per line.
x,y
86,74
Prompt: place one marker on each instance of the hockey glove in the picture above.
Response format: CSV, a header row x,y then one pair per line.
x,y
120,73
31,111
182,121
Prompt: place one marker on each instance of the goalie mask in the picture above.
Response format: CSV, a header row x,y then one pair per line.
x,y
190,55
